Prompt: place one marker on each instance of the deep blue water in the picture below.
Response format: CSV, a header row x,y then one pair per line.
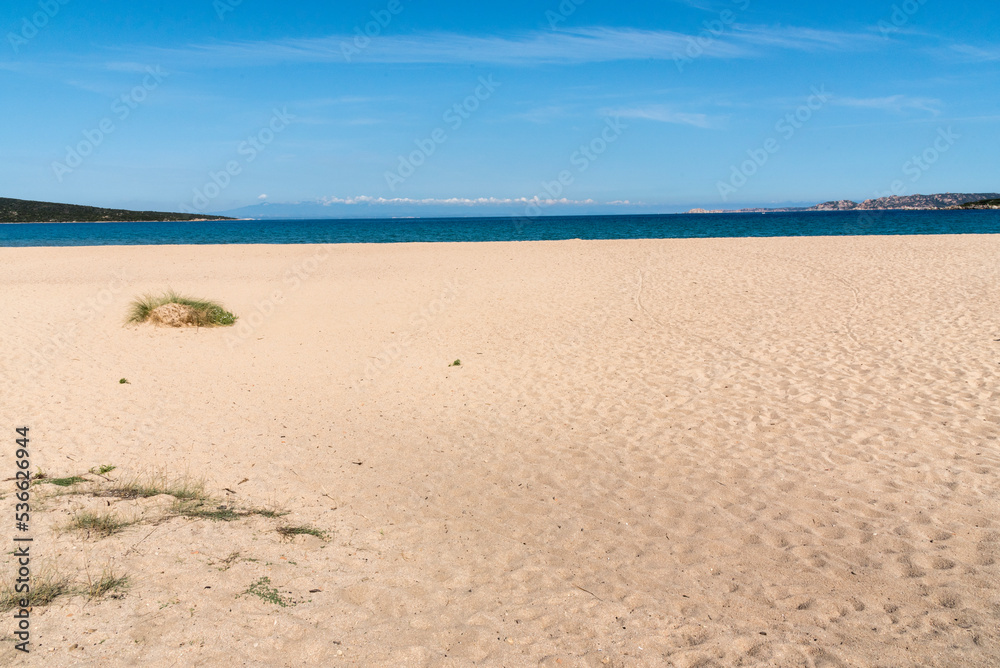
x,y
677,226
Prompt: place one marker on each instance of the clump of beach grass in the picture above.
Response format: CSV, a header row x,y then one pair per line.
x,y
109,583
143,487
46,586
102,524
176,310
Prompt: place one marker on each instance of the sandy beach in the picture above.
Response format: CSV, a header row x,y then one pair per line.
x,y
718,452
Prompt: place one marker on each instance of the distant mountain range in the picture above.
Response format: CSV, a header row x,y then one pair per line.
x,y
905,202
27,211
367,209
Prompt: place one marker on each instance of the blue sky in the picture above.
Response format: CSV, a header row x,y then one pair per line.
x,y
588,106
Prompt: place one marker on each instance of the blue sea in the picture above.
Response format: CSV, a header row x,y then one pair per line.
x,y
403,230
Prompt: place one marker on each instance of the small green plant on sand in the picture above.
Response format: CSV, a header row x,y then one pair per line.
x,y
456,363
108,583
124,381
202,312
62,482
103,525
291,532
263,590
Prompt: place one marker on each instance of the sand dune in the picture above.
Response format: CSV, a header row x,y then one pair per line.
x,y
740,452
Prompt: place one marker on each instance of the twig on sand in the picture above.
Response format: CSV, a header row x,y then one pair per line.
x,y
590,592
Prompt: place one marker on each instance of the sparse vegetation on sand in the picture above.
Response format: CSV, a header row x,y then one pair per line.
x,y
265,591
190,501
46,586
143,487
61,482
174,310
207,509
102,524
49,584
291,532
108,583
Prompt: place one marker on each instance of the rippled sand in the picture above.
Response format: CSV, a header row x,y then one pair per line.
x,y
743,452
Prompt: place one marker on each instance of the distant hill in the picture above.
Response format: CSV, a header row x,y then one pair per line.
x,y
905,202
945,201
27,211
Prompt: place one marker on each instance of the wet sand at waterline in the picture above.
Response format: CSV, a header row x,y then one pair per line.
x,y
716,452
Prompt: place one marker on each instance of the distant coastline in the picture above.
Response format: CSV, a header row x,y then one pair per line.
x,y
943,201
29,211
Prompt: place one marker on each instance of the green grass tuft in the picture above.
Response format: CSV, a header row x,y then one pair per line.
x,y
207,313
291,532
46,586
109,583
103,525
184,489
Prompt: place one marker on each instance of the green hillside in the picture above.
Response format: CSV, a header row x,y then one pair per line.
x,y
26,211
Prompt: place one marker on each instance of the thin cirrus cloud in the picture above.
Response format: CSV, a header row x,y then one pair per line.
x,y
451,201
976,54
568,47
662,114
894,103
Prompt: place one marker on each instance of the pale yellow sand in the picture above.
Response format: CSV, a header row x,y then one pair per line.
x,y
748,452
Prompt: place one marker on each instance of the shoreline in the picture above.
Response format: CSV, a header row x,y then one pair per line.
x,y
692,212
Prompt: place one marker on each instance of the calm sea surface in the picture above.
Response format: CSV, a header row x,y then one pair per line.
x,y
678,226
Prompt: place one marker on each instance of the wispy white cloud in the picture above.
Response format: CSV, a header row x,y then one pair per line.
x,y
457,201
569,47
806,39
662,114
125,66
893,103
977,54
